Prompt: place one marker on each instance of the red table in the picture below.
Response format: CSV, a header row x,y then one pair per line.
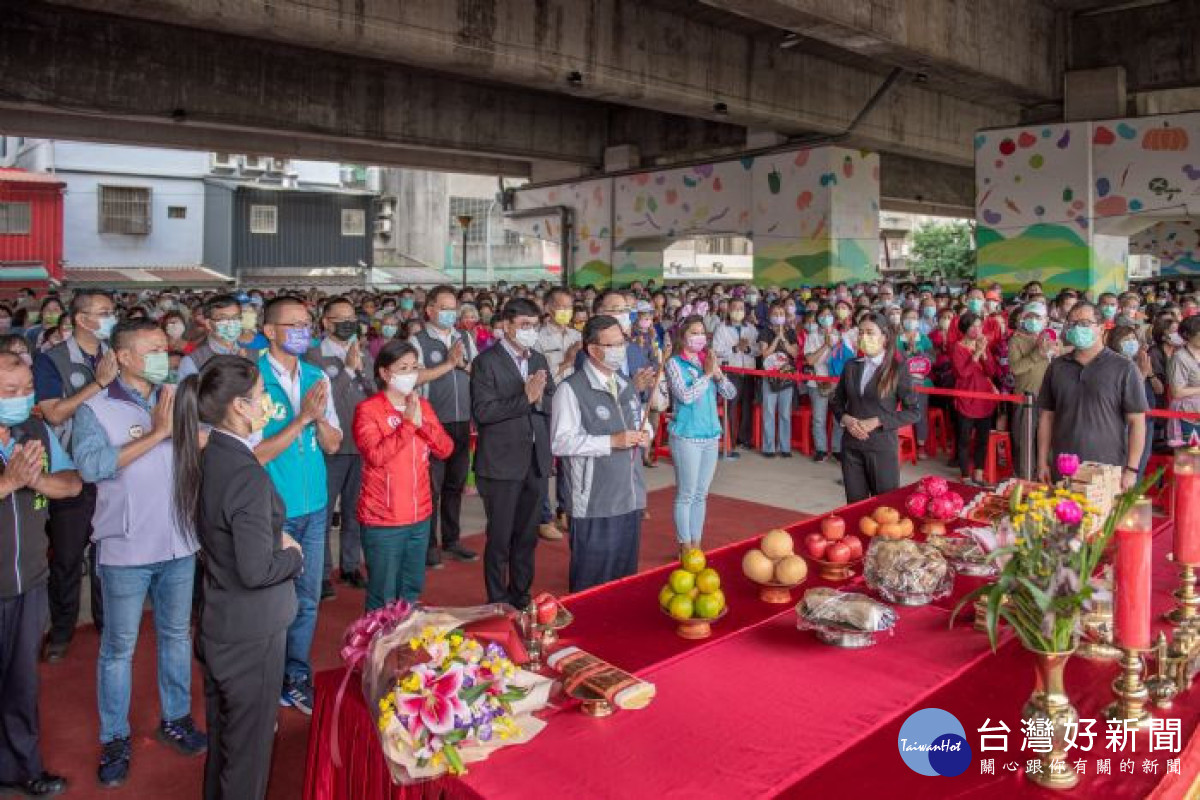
x,y
761,709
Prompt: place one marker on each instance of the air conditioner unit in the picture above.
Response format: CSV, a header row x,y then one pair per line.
x,y
346,175
222,161
280,165
383,228
255,164
387,208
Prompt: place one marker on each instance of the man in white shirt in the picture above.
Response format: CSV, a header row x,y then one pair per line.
x,y
734,343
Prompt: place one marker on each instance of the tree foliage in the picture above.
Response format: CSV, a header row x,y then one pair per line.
x,y
944,247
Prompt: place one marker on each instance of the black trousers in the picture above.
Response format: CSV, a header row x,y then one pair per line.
x,y
967,456
242,682
512,509
867,473
343,477
743,406
70,529
604,549
22,620
448,479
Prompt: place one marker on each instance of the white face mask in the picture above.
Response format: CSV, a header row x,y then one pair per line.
x,y
403,382
614,357
526,337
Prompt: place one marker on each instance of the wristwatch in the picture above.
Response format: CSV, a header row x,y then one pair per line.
x,y
1134,470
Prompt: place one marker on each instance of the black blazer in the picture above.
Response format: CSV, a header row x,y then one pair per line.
x,y
507,424
248,588
894,411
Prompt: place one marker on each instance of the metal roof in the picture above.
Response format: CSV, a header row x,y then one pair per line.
x,y
13,175
145,277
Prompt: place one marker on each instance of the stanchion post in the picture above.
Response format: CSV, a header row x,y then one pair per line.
x,y
1028,440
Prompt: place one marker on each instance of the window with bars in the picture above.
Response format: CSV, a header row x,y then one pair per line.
x,y
354,222
125,209
15,218
176,212
478,208
264,219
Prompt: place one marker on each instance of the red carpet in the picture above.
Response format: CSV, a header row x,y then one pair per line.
x,y
70,727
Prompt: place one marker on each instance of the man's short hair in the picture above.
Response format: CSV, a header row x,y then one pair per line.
x,y
597,325
127,329
276,304
220,301
519,307
83,300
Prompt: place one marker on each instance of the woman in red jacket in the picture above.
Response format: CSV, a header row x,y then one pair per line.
x,y
974,371
396,433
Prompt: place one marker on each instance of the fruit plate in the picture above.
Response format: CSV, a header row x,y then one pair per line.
x,y
932,528
836,571
838,635
773,592
694,628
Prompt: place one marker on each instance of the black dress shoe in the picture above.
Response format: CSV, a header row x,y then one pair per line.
x,y
354,579
787,454
460,553
54,652
45,785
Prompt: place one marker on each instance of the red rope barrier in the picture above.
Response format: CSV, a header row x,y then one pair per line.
x,y
798,377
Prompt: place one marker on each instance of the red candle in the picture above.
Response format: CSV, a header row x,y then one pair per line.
x,y
1186,544
1131,579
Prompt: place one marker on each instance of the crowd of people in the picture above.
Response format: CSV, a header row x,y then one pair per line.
x,y
197,449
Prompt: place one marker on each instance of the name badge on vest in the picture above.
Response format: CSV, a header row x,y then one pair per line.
x,y
393,421
279,412
78,379
136,431
603,413
435,357
332,371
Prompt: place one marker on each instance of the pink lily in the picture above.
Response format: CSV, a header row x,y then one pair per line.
x,y
436,703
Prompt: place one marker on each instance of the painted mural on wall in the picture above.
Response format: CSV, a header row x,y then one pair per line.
x,y
1044,195
1175,244
813,216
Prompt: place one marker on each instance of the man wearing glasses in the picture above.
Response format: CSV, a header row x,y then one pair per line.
x,y
65,377
303,429
1092,402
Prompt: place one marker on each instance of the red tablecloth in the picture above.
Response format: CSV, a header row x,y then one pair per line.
x,y
759,709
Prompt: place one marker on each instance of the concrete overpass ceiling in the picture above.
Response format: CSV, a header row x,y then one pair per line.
x,y
1156,41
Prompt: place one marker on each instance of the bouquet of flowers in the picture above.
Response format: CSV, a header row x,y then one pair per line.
x,y
1047,548
445,697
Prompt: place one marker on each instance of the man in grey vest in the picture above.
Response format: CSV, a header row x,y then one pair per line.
x,y
65,377
445,357
350,369
122,443
223,320
35,468
597,428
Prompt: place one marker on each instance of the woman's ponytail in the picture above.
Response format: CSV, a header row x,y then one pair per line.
x,y
185,439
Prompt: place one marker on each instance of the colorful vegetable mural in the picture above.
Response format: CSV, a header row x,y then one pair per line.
x,y
1175,244
813,216
1058,203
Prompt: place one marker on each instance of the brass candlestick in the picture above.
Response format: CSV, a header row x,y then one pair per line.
x,y
1161,685
1130,691
1097,625
1188,609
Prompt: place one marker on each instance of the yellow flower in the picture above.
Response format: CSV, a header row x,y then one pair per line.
x,y
410,684
1018,520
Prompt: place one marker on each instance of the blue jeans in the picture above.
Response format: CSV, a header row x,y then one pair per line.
x,y
695,463
820,407
169,584
776,403
395,562
309,530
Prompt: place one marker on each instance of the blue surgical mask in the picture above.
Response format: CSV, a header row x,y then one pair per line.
x,y
910,325
826,320
1033,325
105,327
1130,347
229,330
929,312
811,327
389,331
1081,336
156,367
975,305
446,318
297,340
15,410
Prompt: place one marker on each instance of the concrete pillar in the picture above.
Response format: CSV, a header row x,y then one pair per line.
x,y
1094,94
421,222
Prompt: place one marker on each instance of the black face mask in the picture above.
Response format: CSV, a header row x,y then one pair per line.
x,y
344,330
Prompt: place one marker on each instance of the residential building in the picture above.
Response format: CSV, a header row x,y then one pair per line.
x,y
31,234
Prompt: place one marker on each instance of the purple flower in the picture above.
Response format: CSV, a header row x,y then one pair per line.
x,y
1068,511
485,732
1068,464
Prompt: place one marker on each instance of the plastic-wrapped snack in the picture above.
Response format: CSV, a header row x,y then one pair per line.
x,y
909,573
823,606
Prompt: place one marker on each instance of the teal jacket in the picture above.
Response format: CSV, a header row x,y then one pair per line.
x,y
299,471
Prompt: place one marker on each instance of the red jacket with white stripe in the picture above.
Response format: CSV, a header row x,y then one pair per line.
x,y
395,454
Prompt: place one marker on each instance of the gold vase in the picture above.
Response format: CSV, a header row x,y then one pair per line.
x,y
1049,701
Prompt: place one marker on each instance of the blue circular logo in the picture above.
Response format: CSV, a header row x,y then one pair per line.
x,y
933,742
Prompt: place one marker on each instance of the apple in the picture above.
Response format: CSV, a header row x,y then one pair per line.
x,y
838,553
547,608
815,545
833,527
855,544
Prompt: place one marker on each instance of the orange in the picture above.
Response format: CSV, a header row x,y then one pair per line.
x,y
906,528
693,560
868,526
681,607
682,581
708,581
885,515
665,597
707,606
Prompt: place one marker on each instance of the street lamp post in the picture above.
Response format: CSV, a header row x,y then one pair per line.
x,y
464,222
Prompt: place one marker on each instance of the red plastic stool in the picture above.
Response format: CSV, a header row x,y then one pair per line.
x,y
802,438
662,447
938,434
908,444
996,469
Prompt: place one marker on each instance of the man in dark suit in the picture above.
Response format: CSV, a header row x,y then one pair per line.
x,y
511,398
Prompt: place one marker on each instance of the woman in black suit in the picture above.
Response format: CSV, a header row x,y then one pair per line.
x,y
249,597
874,398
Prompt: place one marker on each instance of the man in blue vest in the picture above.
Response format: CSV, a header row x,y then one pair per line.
x,y
35,468
122,443
223,321
303,429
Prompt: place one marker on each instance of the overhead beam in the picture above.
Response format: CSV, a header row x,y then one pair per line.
x,y
1158,45
925,187
627,53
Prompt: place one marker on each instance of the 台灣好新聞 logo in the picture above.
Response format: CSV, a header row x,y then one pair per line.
x,y
933,742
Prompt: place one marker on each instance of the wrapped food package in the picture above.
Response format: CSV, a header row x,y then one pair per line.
x,y
907,568
830,607
586,676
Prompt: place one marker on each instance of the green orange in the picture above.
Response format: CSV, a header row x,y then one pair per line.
x,y
682,581
681,607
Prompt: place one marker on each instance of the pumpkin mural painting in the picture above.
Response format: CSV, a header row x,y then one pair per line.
x,y
1165,138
